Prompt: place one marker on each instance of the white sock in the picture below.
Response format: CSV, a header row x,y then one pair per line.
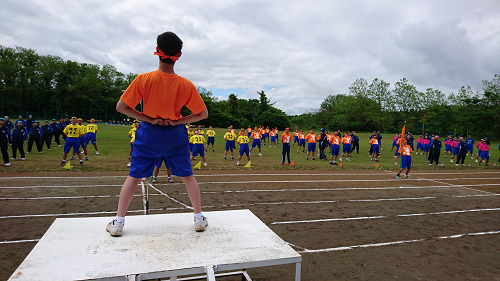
x,y
198,216
120,219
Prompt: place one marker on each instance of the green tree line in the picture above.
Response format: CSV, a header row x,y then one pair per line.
x,y
49,87
373,106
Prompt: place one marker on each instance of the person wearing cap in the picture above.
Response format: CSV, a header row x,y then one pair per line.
x,y
55,132
35,135
30,122
322,144
91,135
19,136
46,134
8,123
355,142
485,151
5,139
469,142
82,139
20,118
73,133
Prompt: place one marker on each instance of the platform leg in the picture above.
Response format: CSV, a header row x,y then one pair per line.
x,y
173,278
210,273
297,271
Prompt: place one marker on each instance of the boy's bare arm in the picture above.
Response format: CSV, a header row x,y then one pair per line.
x,y
122,107
188,119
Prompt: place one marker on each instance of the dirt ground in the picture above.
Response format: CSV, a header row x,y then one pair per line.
x,y
451,217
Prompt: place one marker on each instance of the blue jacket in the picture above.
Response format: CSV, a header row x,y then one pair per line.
x,y
35,131
5,134
20,134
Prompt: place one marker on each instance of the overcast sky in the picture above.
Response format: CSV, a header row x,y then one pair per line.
x,y
299,52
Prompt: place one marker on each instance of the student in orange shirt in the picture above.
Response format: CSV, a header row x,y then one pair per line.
x,y
285,140
375,147
277,134
256,136
273,138
249,131
346,146
329,139
335,147
262,136
162,131
266,134
405,159
295,137
311,139
302,142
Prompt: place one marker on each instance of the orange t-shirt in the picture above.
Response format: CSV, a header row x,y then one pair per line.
x,y
296,134
311,138
335,140
406,150
346,140
249,130
163,95
256,136
272,134
242,133
301,136
267,131
285,138
374,141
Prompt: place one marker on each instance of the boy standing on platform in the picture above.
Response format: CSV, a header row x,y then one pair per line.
x,y
211,138
162,132
311,139
244,149
285,140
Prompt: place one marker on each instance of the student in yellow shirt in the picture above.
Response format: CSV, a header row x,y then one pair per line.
x,y
198,146
211,138
243,141
230,137
83,139
73,132
200,131
190,134
131,135
91,135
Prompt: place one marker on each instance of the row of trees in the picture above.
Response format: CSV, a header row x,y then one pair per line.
x,y
374,106
49,87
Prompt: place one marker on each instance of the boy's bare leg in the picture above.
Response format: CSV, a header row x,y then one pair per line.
x,y
126,194
193,190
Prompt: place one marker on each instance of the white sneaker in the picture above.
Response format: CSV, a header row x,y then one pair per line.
x,y
395,163
348,159
476,160
269,146
471,157
14,159
49,149
129,164
205,164
340,158
170,180
457,165
39,152
114,228
154,180
23,159
260,154
451,160
199,225
7,164
238,163
97,153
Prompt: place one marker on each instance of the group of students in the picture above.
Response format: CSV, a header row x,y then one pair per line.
x,y
30,130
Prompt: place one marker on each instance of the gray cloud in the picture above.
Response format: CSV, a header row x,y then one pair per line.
x,y
298,51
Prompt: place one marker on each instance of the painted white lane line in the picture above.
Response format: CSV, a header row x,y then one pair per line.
x,y
85,214
19,241
396,242
171,198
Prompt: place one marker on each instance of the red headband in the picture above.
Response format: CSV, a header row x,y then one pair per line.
x,y
162,55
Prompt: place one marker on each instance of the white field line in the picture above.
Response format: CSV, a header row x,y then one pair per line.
x,y
19,241
85,214
462,186
62,186
169,197
68,197
262,174
380,217
396,242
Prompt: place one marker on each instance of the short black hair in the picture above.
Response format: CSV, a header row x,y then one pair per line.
x,y
170,44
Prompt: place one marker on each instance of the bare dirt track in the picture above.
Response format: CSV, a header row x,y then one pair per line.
x,y
348,225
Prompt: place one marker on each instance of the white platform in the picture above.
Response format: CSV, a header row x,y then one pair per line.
x,y
154,246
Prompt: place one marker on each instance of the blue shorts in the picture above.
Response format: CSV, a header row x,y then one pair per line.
x,y
153,142
426,147
346,148
198,149
335,149
406,162
256,143
190,145
375,148
448,148
211,140
160,161
72,143
273,139
485,154
266,136
311,147
295,139
470,148
302,142
249,134
420,146
83,141
229,145
90,137
244,149
132,145
397,151
455,151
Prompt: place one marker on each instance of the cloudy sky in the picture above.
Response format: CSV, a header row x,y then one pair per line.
x,y
299,52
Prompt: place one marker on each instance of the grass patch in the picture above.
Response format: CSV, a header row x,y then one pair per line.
x,y
114,147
